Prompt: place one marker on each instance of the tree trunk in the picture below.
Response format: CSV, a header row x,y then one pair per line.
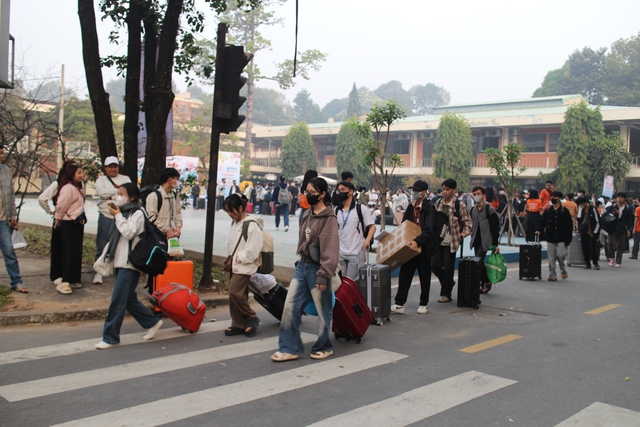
x,y
132,91
95,84
159,96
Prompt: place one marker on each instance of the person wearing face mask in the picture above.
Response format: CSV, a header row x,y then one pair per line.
x,y
169,218
422,212
484,233
558,226
107,190
123,237
356,228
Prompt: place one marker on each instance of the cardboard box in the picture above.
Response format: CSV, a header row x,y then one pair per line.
x,y
392,249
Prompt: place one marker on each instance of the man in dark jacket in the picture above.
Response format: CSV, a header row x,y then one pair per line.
x,y
422,212
589,228
622,229
557,223
485,231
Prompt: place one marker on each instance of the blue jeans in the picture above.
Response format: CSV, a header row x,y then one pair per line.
x,y
102,237
302,289
556,251
282,210
124,298
10,258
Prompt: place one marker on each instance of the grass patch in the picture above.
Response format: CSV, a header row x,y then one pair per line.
x,y
5,296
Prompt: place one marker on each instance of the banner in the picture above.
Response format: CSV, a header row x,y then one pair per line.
x,y
184,164
607,188
229,167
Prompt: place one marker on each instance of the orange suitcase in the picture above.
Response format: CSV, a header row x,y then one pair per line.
x,y
177,272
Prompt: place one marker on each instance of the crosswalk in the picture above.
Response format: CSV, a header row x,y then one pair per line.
x,y
409,407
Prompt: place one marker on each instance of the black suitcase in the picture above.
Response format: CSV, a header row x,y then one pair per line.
x,y
531,261
575,257
265,209
469,278
202,204
272,301
375,286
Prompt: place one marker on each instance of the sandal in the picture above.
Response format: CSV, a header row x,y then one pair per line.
x,y
20,289
64,288
252,327
322,354
283,357
444,299
233,331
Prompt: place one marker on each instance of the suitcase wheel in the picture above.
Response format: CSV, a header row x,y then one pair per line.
x,y
459,304
476,307
337,335
358,340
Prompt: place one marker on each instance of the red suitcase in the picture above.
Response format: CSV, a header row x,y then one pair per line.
x,y
249,207
176,272
181,305
351,314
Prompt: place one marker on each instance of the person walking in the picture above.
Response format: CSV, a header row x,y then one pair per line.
x,y
220,194
195,194
557,224
107,187
302,198
70,219
636,229
319,249
244,244
124,235
422,212
295,192
621,228
280,199
459,226
484,233
8,223
588,220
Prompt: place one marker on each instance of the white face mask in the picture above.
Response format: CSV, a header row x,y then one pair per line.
x,y
121,200
478,199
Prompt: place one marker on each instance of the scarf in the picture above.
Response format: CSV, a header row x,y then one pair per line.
x,y
114,234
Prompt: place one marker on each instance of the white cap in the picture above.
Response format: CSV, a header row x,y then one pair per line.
x,y
111,160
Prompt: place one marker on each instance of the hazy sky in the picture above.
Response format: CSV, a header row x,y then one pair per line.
x,y
478,51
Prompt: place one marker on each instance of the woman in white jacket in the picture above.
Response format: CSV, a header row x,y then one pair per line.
x,y
124,236
245,253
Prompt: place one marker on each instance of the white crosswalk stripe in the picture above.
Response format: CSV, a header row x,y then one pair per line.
x,y
201,402
59,384
420,403
600,414
76,347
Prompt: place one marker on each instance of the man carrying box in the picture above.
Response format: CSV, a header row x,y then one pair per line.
x,y
421,212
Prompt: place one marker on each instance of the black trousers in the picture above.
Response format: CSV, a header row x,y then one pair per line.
x,y
55,269
590,249
422,263
293,205
443,264
72,236
481,254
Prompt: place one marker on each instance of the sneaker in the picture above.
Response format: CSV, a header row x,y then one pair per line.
x,y
564,276
552,279
423,309
57,281
611,262
286,228
151,332
399,309
633,257
618,265
97,279
277,229
104,345
596,267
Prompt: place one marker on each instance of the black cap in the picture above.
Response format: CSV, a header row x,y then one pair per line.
x,y
420,185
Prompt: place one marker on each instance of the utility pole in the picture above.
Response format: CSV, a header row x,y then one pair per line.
x,y
60,120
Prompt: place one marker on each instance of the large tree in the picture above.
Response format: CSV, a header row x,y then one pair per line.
x,y
298,152
623,72
393,90
349,155
426,97
608,156
271,107
452,150
581,127
305,109
354,108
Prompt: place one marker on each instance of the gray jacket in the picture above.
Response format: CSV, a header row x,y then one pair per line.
x,y
8,196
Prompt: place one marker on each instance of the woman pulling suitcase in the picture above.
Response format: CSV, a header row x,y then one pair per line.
x,y
319,250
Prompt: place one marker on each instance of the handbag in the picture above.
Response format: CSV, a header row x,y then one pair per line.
x,y
80,220
17,240
104,265
228,263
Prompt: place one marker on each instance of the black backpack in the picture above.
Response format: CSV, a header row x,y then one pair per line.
x,y
358,208
145,191
150,254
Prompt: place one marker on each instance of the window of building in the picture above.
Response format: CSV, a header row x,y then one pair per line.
x,y
427,148
182,109
534,142
554,141
399,147
490,142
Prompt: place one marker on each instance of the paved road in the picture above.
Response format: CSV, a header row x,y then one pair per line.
x,y
535,354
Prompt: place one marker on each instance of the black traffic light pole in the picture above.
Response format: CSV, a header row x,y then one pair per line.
x,y
207,281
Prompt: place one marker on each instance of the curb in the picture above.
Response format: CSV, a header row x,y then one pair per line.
x,y
25,318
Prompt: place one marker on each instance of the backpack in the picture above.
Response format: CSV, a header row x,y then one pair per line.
x,y
442,221
283,196
362,227
145,191
266,253
150,254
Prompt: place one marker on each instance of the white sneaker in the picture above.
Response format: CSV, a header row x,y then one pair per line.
x,y
151,332
399,309
286,228
277,229
57,281
423,309
97,279
104,345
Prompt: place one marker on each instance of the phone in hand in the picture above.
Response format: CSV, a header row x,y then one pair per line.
x,y
112,205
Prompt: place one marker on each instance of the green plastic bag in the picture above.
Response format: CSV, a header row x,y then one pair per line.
x,y
496,266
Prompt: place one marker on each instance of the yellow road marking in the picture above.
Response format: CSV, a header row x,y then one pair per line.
x,y
489,344
603,309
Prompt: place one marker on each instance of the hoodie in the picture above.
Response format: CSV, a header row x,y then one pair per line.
x,y
324,234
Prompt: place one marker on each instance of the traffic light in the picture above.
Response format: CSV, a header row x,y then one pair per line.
x,y
232,81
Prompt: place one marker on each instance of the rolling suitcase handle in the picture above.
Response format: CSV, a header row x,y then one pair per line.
x,y
365,257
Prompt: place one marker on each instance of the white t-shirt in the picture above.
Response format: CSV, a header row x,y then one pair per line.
x,y
351,240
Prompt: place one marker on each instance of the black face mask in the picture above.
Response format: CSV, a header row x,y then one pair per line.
x,y
313,200
343,196
554,201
